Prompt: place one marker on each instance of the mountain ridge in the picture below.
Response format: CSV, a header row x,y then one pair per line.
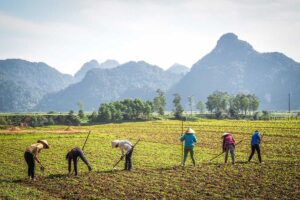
x,y
238,67
129,80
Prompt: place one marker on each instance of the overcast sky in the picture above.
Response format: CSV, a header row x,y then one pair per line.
x,y
67,33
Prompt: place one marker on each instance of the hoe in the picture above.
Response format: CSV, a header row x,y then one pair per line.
x,y
115,165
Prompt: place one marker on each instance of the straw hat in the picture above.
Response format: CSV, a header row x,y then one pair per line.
x,y
44,142
190,131
224,134
115,143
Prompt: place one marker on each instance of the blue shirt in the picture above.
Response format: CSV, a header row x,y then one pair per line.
x,y
255,138
189,140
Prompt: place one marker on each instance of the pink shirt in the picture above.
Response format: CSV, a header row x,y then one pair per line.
x,y
228,139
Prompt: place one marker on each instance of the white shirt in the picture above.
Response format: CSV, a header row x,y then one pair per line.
x,y
125,146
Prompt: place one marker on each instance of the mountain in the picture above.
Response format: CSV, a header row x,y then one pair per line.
x,y
23,84
235,66
108,64
130,80
178,69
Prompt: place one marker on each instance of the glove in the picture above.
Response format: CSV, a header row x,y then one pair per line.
x,y
122,157
90,168
42,168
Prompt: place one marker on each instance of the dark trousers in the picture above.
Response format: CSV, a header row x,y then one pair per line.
x,y
253,148
128,163
75,154
30,163
186,151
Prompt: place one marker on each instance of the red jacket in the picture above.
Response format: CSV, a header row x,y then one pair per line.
x,y
228,139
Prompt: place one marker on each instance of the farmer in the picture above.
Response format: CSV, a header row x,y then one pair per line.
x,y
73,155
31,155
189,139
255,141
228,145
127,150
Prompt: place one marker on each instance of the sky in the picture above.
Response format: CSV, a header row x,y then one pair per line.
x,y
67,33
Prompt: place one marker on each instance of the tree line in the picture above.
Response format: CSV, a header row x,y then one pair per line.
x,y
218,103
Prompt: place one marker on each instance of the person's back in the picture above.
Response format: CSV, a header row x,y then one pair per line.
x,y
228,145
127,150
255,138
73,156
255,142
228,139
189,140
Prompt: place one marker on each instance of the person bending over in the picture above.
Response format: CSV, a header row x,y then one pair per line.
x,y
127,150
73,156
31,155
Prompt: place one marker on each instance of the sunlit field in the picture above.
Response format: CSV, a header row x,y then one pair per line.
x,y
157,171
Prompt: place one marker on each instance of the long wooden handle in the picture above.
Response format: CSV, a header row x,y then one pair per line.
x,y
224,151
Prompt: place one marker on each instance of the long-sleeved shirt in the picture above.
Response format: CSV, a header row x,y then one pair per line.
x,y
189,139
35,149
125,146
228,140
256,138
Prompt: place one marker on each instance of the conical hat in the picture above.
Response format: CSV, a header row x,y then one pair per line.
x,y
190,131
224,134
44,142
115,143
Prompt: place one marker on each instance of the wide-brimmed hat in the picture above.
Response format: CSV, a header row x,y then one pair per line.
x,y
115,143
190,131
44,142
224,134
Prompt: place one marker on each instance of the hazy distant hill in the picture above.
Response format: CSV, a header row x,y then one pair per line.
x,y
132,79
23,84
234,66
178,69
108,64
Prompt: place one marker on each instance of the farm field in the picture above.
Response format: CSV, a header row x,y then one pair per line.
x,y
156,173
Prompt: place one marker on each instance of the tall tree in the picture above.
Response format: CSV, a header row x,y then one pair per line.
x,y
201,106
217,102
159,102
80,112
253,102
104,113
178,110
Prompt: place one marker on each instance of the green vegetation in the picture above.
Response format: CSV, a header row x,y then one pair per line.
x,y
221,102
178,109
159,102
126,109
156,162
